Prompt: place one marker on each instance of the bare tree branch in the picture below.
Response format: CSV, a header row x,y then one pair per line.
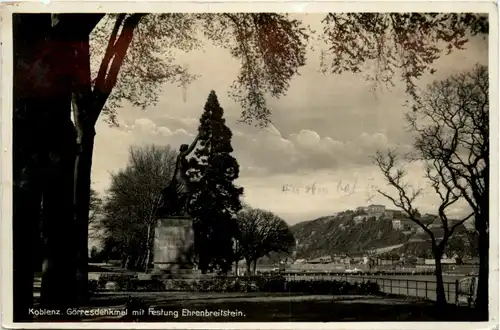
x,y
405,200
134,197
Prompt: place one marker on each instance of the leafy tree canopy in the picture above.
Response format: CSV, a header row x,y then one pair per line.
x,y
272,48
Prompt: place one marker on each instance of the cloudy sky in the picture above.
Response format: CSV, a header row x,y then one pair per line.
x,y
324,131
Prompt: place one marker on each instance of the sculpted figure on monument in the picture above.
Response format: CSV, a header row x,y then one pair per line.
x,y
176,196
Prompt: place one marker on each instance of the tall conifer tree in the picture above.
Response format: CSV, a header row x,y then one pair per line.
x,y
216,201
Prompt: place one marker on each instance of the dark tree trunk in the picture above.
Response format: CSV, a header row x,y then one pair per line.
x,y
72,31
254,267
129,261
249,266
200,244
482,228
149,247
59,269
58,231
202,263
27,169
84,123
43,152
27,192
141,255
483,277
124,260
82,175
440,293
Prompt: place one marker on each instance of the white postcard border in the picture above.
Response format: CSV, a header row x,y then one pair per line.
x,y
239,6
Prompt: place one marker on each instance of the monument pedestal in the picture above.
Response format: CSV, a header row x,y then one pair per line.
x,y
174,246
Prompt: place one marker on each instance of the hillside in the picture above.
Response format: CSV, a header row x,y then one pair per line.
x,y
339,234
460,244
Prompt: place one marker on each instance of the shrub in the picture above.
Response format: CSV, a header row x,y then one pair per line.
x,y
178,285
219,285
93,286
235,286
370,288
121,280
145,285
274,283
204,286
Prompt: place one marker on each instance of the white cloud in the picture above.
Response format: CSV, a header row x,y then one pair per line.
x,y
144,125
165,131
305,150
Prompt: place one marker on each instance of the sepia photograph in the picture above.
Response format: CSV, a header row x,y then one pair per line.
x,y
250,167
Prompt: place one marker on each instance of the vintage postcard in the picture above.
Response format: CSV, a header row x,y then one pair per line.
x,y
249,165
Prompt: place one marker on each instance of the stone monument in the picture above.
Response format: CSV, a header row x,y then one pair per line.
x,y
174,240
174,236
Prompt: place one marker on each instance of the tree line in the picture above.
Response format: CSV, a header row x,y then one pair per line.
x,y
60,91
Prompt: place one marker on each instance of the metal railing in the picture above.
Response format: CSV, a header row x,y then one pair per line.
x,y
467,288
454,291
408,287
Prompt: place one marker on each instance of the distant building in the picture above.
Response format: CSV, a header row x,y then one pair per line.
x,y
397,213
347,260
409,225
357,260
325,260
376,208
444,261
389,214
337,259
384,262
375,211
396,224
321,260
361,209
471,261
359,218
